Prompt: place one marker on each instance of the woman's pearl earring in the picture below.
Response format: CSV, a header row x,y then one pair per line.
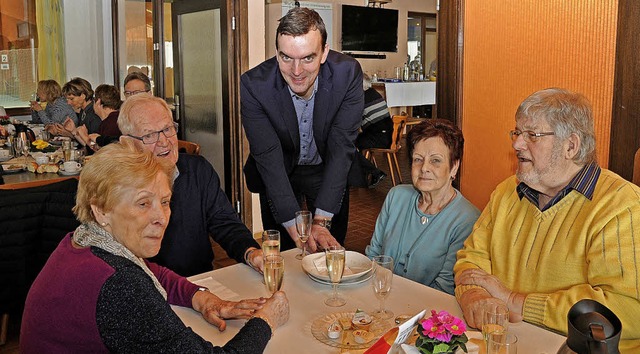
x,y
103,224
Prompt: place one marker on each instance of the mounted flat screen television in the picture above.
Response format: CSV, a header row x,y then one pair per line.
x,y
369,29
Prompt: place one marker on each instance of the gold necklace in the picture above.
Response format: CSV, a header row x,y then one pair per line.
x,y
424,219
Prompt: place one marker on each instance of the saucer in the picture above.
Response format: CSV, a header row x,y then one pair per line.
x,y
10,169
74,173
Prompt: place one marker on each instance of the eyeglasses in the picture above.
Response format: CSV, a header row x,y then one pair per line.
x,y
153,137
131,93
528,135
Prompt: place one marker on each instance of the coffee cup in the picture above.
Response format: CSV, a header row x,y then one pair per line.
x,y
71,166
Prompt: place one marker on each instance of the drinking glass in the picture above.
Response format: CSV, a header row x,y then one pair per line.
x,y
502,342
303,226
381,281
273,272
495,318
270,242
335,258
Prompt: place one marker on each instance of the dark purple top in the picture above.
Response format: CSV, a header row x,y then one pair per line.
x,y
90,301
109,126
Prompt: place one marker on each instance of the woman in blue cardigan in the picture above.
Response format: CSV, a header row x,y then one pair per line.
x,y
423,225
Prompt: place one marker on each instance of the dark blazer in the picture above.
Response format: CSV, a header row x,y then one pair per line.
x,y
271,125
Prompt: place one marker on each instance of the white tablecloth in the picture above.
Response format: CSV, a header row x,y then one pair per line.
x,y
306,299
406,94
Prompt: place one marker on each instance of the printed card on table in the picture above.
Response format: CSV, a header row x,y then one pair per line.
x,y
396,335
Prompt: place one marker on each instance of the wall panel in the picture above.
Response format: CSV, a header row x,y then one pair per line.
x,y
514,48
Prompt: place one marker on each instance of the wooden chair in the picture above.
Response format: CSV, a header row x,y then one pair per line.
x,y
636,169
188,147
399,122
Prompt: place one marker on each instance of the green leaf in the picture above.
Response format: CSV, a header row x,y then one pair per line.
x,y
441,348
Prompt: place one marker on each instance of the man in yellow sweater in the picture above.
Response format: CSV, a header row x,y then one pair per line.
x,y
561,230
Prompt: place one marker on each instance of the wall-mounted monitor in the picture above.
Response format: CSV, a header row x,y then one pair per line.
x,y
369,29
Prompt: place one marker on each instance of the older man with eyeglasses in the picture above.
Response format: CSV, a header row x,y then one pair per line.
x,y
199,207
561,230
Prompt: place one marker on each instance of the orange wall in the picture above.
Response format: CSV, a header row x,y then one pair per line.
x,y
514,48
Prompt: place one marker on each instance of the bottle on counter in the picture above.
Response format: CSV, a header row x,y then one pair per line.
x,y
406,72
416,68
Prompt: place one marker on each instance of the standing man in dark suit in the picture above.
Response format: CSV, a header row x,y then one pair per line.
x,y
301,111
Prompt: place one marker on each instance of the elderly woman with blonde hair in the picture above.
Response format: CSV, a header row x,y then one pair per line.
x,y
101,292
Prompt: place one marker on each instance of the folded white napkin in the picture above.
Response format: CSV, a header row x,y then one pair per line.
x,y
321,267
218,289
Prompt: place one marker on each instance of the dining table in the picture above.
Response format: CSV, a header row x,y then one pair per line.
x,y
306,300
26,179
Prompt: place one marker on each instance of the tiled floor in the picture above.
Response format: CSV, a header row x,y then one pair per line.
x,y
363,212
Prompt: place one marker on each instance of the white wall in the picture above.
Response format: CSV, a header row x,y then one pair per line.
x,y
88,43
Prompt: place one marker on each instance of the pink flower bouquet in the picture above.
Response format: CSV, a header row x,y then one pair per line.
x,y
441,333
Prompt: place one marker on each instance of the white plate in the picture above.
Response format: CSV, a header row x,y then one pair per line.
x,y
9,169
343,282
356,266
65,173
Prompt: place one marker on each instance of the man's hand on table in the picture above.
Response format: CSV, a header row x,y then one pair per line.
x,y
495,289
255,259
319,240
215,310
473,303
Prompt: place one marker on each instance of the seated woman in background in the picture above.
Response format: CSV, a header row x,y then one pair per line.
x,y
79,95
423,225
97,293
107,106
57,109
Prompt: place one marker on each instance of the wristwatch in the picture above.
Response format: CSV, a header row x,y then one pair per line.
x,y
323,222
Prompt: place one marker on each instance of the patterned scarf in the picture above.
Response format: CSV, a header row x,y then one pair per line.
x,y
90,234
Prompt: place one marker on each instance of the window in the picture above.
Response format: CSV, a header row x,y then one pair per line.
x,y
18,53
422,40
142,24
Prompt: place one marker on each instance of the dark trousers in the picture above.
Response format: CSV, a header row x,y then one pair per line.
x,y
306,182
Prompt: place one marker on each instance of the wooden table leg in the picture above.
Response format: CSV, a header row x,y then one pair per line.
x,y
4,323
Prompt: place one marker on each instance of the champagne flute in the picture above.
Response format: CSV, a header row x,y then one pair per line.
x,y
495,318
335,259
270,242
273,272
381,281
303,226
502,342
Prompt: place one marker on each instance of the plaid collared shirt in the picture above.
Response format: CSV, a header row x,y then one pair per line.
x,y
584,183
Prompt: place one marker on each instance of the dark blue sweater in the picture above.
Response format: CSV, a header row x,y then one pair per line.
x,y
199,208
